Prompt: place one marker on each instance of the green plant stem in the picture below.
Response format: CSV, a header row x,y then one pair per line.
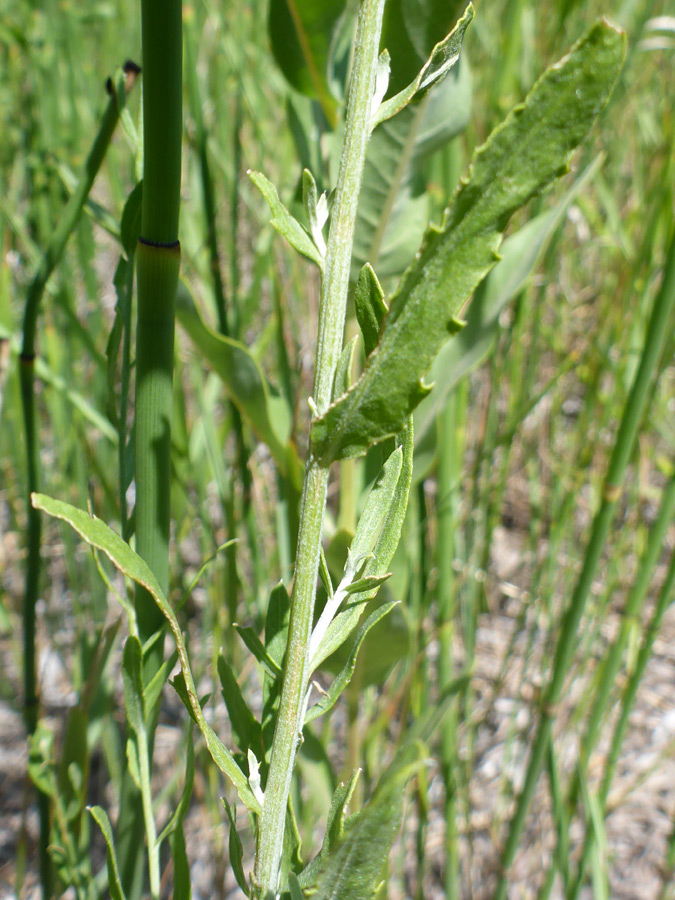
x,y
332,311
158,263
450,455
148,814
623,448
612,662
628,699
46,266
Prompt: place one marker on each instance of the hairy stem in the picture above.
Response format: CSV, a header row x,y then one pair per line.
x,y
334,290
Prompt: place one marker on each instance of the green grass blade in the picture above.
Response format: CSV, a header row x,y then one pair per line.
x,y
99,535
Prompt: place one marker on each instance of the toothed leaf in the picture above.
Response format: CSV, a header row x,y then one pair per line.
x,y
528,151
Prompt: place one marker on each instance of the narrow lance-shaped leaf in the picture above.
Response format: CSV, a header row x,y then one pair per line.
x,y
443,57
284,222
99,535
530,149
114,882
347,619
335,824
370,307
329,699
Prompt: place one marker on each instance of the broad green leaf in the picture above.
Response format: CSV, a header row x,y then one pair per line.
x,y
284,222
377,510
519,253
99,535
443,57
114,883
301,34
245,727
385,645
370,307
245,383
354,867
329,699
529,150
133,761
276,625
335,824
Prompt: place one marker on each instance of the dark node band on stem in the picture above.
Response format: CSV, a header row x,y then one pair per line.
x,y
27,359
171,245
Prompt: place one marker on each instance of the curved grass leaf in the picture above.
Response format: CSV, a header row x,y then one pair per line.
x,y
114,882
529,150
520,253
99,535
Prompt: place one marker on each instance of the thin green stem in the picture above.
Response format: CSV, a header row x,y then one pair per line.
x,y
50,259
623,448
334,288
627,700
612,662
450,456
148,815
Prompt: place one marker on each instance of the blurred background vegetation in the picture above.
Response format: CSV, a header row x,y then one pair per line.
x,y
497,525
